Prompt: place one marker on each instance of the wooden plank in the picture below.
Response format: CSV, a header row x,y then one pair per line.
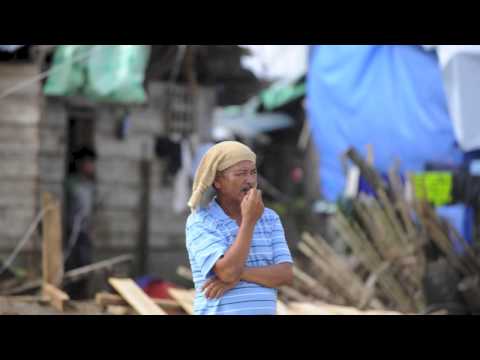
x,y
352,182
14,221
293,294
104,299
328,309
120,310
13,133
54,188
166,303
8,149
52,251
282,309
19,194
57,297
22,167
145,214
136,297
17,71
20,110
184,297
11,73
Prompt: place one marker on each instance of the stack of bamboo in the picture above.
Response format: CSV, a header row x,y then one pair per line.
x,y
387,236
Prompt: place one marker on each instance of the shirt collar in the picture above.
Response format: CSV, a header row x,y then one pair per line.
x,y
218,212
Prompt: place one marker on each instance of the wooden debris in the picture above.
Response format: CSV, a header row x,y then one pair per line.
x,y
57,297
185,273
136,297
319,308
282,309
183,297
72,275
52,251
120,310
166,303
104,299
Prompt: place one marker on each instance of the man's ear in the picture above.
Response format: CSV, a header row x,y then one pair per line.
x,y
216,184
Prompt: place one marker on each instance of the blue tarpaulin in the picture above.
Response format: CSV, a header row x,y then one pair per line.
x,y
390,96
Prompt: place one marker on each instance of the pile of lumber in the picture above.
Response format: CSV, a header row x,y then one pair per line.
x,y
387,237
182,304
130,299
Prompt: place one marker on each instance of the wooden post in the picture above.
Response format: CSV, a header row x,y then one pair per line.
x,y
52,252
143,241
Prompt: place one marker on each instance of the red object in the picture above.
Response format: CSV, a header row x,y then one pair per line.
x,y
159,289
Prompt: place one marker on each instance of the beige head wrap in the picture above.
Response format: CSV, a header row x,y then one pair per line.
x,y
218,158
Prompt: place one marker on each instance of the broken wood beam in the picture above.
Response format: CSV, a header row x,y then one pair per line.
x,y
136,297
184,297
105,299
57,297
120,310
52,247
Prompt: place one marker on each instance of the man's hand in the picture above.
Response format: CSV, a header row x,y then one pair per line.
x,y
252,206
214,288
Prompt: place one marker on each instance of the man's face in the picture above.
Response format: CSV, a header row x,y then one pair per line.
x,y
234,182
87,167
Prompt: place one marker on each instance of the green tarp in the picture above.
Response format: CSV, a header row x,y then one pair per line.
x,y
113,73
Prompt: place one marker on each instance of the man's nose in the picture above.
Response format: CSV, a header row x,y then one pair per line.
x,y
251,179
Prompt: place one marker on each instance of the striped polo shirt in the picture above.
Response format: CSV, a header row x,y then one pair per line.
x,y
209,234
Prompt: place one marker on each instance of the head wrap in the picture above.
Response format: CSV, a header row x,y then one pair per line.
x,y
218,158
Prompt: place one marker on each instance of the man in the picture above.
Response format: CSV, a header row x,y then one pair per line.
x,y
236,247
80,204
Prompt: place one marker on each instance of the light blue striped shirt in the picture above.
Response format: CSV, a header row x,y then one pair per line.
x,y
209,234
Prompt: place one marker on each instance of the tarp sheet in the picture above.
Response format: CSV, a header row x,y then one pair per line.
x,y
390,96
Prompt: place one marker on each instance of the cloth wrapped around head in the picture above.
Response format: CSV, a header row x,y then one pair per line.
x,y
218,158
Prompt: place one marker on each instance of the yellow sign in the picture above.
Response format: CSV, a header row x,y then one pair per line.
x,y
434,186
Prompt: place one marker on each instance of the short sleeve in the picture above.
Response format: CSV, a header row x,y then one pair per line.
x,y
205,246
281,252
